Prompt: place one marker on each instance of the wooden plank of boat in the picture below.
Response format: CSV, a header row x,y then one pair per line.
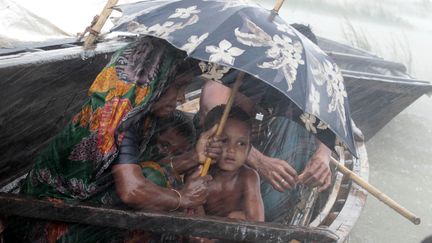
x,y
354,202
178,223
345,204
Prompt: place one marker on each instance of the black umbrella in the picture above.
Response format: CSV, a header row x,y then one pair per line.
x,y
246,37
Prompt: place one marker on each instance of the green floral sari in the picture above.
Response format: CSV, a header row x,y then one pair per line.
x,y
75,166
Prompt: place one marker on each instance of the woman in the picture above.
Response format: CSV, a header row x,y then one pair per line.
x,y
140,85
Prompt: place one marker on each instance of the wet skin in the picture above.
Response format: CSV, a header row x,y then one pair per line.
x,y
235,187
235,144
167,101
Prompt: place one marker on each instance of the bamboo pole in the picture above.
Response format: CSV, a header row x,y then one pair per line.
x,y
376,193
224,118
278,5
95,29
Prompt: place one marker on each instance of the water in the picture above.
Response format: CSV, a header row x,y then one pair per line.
x,y
400,165
400,155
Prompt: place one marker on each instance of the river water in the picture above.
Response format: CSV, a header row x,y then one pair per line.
x,y
400,155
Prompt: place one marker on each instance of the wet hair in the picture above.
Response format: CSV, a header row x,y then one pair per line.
x,y
237,113
180,123
306,31
189,65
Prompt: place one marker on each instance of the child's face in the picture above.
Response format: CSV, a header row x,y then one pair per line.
x,y
171,142
236,145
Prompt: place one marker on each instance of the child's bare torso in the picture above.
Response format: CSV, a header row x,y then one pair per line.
x,y
226,193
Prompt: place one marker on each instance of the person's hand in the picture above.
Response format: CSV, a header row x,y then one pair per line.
x,y
276,171
317,172
195,191
209,146
279,173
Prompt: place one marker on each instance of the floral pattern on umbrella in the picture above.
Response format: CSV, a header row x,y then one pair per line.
x,y
251,39
283,53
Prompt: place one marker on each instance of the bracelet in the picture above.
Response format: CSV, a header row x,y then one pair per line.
x,y
179,200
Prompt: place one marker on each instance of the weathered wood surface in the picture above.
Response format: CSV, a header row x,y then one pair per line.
x,y
355,200
95,30
177,223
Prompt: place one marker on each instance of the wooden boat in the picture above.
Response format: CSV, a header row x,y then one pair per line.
x,y
377,89
43,86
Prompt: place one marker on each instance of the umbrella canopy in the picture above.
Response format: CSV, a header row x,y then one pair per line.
x,y
246,37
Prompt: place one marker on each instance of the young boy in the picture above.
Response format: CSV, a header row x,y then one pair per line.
x,y
234,191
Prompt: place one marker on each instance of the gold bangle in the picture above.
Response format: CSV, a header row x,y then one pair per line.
x,y
179,200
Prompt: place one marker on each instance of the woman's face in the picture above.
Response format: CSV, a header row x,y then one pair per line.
x,y
167,102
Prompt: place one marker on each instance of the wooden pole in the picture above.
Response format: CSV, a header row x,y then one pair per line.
x,y
376,193
278,5
95,30
224,118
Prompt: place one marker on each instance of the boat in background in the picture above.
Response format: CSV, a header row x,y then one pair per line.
x,y
378,90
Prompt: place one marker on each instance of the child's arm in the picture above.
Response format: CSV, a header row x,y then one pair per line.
x,y
253,203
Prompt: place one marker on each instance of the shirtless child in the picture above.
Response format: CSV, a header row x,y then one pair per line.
x,y
234,191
